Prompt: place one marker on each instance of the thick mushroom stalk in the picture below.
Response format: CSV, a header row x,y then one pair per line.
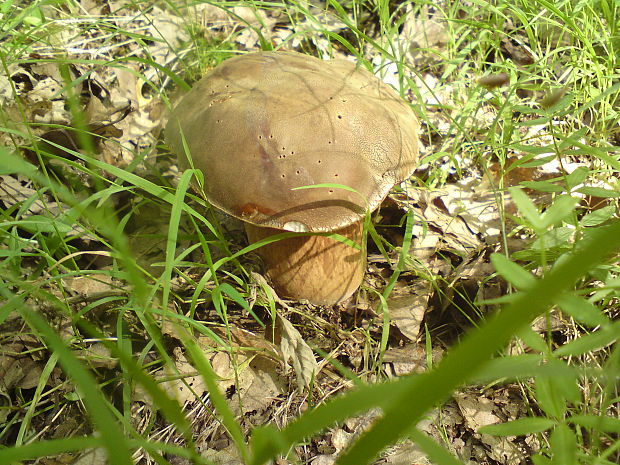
x,y
262,127
319,269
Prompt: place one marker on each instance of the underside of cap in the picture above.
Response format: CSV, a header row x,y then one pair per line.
x,y
263,125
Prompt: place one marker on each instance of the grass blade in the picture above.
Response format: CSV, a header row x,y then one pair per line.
x,y
477,348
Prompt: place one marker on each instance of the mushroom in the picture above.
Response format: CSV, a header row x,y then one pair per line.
x,y
262,124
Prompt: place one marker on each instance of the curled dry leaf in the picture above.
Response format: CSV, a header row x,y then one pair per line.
x,y
464,218
6,91
296,351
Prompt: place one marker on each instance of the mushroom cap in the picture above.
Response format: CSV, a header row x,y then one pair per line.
x,y
261,124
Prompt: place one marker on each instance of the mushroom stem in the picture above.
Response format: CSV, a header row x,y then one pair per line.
x,y
320,269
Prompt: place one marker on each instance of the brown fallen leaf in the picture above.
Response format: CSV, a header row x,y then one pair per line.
x,y
479,411
89,284
98,456
407,307
411,358
296,351
185,384
17,370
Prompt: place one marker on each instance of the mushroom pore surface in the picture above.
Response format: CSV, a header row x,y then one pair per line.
x,y
262,124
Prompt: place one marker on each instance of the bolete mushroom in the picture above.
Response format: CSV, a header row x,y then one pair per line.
x,y
262,124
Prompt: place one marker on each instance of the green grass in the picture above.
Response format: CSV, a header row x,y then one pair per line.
x,y
81,214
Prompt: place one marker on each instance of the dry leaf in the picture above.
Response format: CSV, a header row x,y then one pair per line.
x,y
266,385
296,351
477,411
340,439
6,91
425,31
16,190
96,456
254,380
97,355
228,456
408,359
188,387
17,370
406,453
89,285
407,308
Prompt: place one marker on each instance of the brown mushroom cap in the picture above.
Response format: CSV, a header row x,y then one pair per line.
x,y
262,124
